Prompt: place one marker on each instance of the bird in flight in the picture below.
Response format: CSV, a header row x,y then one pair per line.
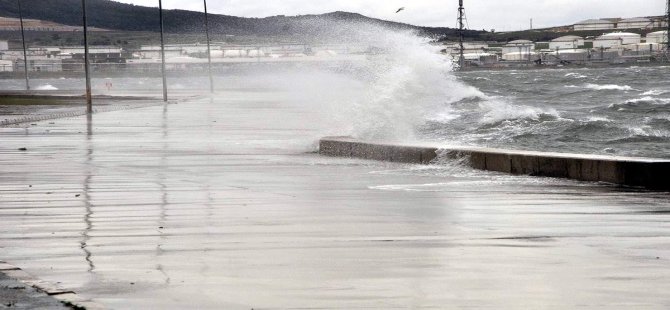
x,y
400,9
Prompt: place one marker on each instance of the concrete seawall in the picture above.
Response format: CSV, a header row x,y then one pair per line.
x,y
640,172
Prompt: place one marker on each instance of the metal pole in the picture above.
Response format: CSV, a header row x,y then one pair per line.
x,y
89,100
160,14
461,27
23,40
209,50
667,19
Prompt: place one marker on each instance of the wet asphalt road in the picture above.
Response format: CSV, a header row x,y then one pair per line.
x,y
220,204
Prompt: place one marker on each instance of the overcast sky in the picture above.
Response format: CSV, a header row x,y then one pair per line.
x,y
502,15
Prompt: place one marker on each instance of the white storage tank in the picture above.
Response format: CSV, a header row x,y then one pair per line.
x,y
594,24
519,56
635,23
234,53
6,66
518,46
572,55
325,53
658,37
642,48
216,54
256,53
566,42
615,39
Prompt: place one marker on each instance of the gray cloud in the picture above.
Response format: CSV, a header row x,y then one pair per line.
x,y
503,15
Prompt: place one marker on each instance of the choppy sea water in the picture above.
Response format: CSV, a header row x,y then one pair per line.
x,y
615,111
610,111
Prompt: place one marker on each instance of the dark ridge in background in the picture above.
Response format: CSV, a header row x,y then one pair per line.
x,y
127,17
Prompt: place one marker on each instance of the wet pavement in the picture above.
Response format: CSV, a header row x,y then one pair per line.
x,y
29,106
222,204
16,295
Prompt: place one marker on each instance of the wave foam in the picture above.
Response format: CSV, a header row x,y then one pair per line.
x,y
46,87
608,87
575,75
498,111
654,92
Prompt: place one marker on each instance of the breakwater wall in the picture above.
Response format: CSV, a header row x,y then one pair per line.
x,y
639,172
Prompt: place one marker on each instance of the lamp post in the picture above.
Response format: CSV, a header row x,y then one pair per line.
x,y
89,99
160,14
461,27
209,50
23,40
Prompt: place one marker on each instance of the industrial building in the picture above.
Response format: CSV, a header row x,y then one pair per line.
x,y
615,39
566,42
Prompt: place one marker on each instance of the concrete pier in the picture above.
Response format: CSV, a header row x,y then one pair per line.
x,y
640,172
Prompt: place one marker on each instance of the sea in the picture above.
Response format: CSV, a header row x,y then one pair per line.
x,y
411,92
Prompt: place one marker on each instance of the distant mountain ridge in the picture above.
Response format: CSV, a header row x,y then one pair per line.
x,y
108,14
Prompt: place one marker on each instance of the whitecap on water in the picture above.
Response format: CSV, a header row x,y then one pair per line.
x,y
499,110
576,75
641,103
608,87
46,87
654,92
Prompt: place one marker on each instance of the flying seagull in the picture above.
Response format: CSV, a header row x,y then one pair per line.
x,y
400,9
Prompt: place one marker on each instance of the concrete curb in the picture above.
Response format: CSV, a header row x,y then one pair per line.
x,y
649,173
67,297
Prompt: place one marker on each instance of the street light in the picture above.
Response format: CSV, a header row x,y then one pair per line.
x,y
89,100
23,40
160,14
209,50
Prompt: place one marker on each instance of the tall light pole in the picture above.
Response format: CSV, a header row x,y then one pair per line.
x,y
23,40
160,15
89,99
667,20
209,50
461,28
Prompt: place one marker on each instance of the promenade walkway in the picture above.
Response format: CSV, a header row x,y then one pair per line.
x,y
222,204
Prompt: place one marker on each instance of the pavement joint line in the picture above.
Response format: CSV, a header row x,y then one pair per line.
x,y
65,296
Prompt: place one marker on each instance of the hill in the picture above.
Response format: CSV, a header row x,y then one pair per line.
x,y
10,24
112,15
